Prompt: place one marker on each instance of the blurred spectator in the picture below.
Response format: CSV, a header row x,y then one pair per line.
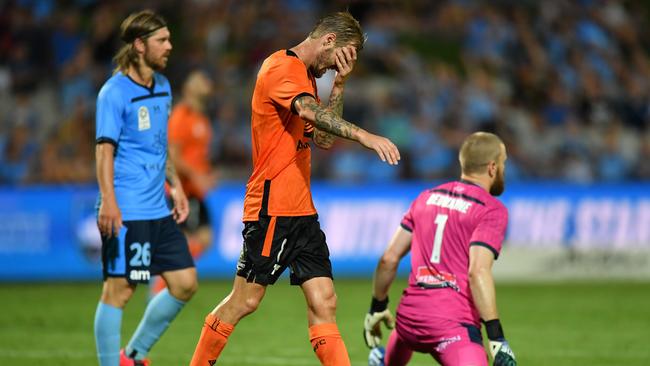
x,y
566,83
16,152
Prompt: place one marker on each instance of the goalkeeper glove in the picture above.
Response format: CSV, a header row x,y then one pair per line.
x,y
376,356
500,350
372,324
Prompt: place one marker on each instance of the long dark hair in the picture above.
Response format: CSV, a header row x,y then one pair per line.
x,y
137,25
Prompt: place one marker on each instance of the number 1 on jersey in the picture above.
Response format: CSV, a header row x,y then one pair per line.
x,y
441,221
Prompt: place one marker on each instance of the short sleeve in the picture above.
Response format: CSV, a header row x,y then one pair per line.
x,y
110,116
408,223
177,131
491,230
290,81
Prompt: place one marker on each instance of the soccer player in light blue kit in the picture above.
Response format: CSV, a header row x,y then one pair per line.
x,y
140,236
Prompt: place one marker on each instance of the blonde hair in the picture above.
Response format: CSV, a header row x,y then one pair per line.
x,y
347,29
478,150
137,25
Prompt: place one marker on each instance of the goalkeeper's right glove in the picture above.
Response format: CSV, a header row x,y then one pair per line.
x,y
377,314
500,350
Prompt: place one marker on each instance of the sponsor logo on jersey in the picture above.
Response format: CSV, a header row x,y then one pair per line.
x,y
430,278
302,145
144,122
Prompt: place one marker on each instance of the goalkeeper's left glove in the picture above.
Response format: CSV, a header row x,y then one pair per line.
x,y
376,356
372,324
500,350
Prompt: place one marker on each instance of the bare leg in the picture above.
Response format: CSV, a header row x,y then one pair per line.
x,y
321,300
321,312
244,299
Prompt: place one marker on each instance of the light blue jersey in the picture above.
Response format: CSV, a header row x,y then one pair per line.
x,y
134,118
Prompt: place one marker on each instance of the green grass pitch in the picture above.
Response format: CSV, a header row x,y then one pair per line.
x,y
547,324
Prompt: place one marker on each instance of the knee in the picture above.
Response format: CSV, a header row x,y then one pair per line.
x,y
325,307
117,296
250,304
184,290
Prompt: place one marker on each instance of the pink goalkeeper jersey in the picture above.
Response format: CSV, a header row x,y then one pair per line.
x,y
445,222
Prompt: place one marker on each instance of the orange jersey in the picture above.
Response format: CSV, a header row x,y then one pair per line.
x,y
191,131
280,183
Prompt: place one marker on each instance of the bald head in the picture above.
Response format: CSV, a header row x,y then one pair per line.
x,y
478,150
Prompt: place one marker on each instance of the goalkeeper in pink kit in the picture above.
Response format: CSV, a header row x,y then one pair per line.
x,y
454,233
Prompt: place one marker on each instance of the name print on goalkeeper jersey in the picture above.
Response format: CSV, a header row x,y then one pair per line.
x,y
449,219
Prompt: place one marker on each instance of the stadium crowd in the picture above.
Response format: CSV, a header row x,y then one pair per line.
x,y
565,83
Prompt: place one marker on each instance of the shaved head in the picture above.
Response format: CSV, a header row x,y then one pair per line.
x,y
478,150
484,154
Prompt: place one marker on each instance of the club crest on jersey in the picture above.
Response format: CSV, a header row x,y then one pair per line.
x,y
144,122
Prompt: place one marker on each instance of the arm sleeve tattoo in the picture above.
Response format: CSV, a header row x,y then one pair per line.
x,y
323,139
327,120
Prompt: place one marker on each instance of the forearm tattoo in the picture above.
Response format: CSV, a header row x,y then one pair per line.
x,y
327,120
336,101
323,139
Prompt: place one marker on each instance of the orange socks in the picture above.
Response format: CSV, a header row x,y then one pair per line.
x,y
213,339
328,345
325,339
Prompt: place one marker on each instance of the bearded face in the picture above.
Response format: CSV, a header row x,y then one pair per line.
x,y
324,61
157,63
499,184
157,49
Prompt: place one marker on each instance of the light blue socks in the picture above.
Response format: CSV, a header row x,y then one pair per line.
x,y
108,323
162,309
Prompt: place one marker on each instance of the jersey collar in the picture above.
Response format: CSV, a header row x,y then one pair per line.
x,y
149,89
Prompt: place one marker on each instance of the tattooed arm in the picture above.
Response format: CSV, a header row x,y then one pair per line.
x,y
326,120
321,138
345,59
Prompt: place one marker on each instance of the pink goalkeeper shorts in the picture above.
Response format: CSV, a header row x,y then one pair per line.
x,y
450,343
